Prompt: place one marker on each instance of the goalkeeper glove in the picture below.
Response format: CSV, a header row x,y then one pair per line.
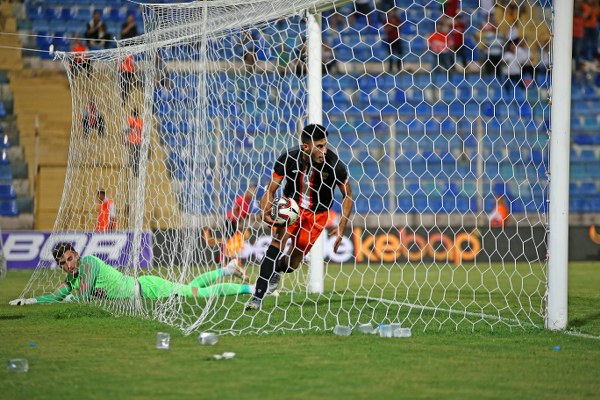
x,y
69,298
22,302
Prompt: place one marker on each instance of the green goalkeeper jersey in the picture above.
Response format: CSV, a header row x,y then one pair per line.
x,y
95,279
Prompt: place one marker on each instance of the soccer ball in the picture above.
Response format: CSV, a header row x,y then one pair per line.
x,y
285,211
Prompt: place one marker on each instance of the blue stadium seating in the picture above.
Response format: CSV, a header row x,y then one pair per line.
x,y
7,192
8,208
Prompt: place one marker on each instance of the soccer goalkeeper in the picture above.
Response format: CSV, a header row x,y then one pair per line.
x,y
90,278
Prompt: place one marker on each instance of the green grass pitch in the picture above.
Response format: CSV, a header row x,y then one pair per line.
x,y
83,352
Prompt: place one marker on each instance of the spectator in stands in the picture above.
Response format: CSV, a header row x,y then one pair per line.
x,y
336,21
500,214
362,8
80,62
134,140
541,68
524,58
162,77
491,43
330,63
96,31
237,216
487,9
393,41
513,61
578,34
106,220
451,7
440,43
591,11
249,52
298,60
129,27
458,40
92,119
126,77
509,23
283,59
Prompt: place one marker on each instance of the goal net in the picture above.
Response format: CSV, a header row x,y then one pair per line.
x,y
440,114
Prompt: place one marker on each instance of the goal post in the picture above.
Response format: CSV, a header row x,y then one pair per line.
x,y
560,145
438,135
315,116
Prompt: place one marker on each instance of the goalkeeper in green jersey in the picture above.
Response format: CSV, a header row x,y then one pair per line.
x,y
90,278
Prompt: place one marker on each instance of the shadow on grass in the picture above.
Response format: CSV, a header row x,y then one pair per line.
x,y
579,322
10,317
81,312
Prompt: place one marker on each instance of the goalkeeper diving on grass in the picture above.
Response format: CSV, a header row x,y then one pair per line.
x,y
89,278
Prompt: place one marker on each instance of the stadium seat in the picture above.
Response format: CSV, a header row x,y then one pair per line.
x,y
8,208
7,192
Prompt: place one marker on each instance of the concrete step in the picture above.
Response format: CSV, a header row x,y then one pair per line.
x,y
19,170
21,187
16,153
22,222
25,204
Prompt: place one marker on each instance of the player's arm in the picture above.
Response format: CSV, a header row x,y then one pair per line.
x,y
267,199
347,203
63,293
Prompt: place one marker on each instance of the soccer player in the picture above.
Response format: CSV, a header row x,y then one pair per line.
x,y
311,174
90,278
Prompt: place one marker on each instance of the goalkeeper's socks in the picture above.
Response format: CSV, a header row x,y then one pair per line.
x,y
267,268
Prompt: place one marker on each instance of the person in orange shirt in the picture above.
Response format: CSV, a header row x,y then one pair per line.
x,y
127,76
591,12
500,214
106,213
80,61
134,140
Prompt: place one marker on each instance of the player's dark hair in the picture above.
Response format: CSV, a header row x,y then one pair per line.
x,y
101,192
312,133
60,249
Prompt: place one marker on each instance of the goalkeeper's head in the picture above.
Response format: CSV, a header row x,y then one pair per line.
x,y
66,257
314,142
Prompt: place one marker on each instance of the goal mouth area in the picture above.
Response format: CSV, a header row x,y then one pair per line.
x,y
450,305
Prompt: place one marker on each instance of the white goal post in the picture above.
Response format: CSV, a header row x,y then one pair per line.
x,y
436,136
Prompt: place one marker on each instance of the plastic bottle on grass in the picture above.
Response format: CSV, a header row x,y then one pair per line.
x,y
17,365
208,338
342,330
162,340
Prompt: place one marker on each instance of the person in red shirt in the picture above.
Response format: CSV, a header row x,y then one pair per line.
x,y
458,39
106,213
134,140
440,43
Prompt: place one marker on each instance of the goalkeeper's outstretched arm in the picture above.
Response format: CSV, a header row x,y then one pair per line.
x,y
63,293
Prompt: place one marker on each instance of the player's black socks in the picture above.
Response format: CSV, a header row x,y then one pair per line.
x,y
267,268
283,266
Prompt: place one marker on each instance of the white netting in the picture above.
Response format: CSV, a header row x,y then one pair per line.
x,y
432,135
